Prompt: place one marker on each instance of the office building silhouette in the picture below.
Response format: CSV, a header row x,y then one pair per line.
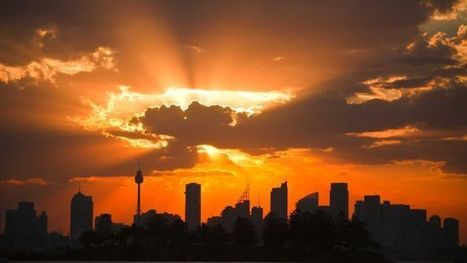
x,y
339,199
371,215
103,223
256,216
145,218
81,218
243,209
450,232
279,201
230,214
398,228
434,232
24,229
417,234
308,203
193,206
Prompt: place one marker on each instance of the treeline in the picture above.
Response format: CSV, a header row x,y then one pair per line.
x,y
304,237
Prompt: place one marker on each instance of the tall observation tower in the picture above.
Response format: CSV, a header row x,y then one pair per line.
x,y
139,181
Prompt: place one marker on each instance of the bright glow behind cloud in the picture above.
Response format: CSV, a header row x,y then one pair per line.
x,y
121,107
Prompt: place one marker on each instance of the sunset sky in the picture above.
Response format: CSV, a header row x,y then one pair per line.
x,y
373,93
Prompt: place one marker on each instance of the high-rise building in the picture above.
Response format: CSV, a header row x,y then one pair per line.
x,y
279,201
103,222
256,216
42,223
434,232
229,216
193,206
398,228
416,235
393,225
371,215
451,232
339,199
243,209
81,214
308,203
23,228
358,210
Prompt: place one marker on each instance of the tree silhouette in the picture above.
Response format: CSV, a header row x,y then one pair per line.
x,y
156,232
315,237
312,234
92,239
121,237
353,235
213,242
244,232
274,231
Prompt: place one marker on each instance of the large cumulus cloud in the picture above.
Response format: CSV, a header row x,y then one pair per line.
x,y
325,121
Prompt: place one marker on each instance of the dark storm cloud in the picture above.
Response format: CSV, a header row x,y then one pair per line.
x,y
422,52
323,120
83,25
202,122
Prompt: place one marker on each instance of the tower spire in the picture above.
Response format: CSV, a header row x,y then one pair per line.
x,y
139,180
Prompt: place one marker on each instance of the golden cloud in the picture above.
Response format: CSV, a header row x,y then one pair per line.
x,y
29,181
120,108
389,133
43,33
47,69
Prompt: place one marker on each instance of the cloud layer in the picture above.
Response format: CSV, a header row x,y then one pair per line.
x,y
369,84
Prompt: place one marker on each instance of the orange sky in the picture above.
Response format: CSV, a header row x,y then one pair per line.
x,y
223,175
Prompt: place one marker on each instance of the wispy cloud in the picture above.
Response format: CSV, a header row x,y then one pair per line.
x,y
30,181
47,69
45,33
389,133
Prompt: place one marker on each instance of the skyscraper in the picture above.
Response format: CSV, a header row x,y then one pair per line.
x,y
279,201
339,199
243,209
434,232
256,216
193,206
81,214
229,215
451,232
308,203
371,215
397,227
42,223
23,228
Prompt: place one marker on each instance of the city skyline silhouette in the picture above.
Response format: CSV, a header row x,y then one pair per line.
x,y
394,228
